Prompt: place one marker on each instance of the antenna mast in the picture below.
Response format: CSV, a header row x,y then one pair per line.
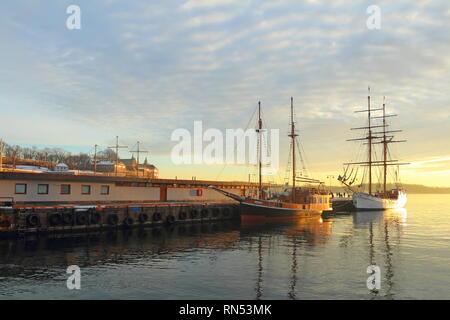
x,y
138,151
95,159
117,153
1,155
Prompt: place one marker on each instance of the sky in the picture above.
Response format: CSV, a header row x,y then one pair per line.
x,y
141,69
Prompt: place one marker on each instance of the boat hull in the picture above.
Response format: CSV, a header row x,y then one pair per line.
x,y
342,204
369,202
252,211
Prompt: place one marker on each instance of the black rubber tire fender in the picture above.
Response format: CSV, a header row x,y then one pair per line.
x,y
128,222
95,217
205,213
156,216
82,218
33,220
143,217
55,219
182,215
193,213
226,212
67,218
170,219
113,219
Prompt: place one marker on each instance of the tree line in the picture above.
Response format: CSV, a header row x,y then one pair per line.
x,y
80,161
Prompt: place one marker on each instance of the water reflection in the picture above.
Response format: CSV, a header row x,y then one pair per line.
x,y
260,270
299,231
384,219
41,254
372,236
388,262
292,291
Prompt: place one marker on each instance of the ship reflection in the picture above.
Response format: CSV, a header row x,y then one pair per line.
x,y
259,280
298,231
387,227
397,216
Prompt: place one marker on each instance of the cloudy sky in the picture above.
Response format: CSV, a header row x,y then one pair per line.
x,y
140,69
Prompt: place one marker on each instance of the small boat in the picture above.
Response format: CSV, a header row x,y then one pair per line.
x,y
382,198
342,204
299,202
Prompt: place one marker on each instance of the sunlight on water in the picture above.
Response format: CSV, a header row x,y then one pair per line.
x,y
322,258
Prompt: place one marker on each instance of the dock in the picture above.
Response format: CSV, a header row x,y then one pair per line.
x,y
21,221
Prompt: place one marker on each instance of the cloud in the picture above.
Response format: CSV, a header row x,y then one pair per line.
x,y
210,18
195,4
433,163
140,70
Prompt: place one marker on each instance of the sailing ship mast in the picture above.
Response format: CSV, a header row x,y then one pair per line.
x,y
370,144
371,136
385,141
293,135
384,148
370,139
260,148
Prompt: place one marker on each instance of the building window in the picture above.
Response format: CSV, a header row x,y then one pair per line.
x,y
105,190
21,188
65,189
86,189
42,189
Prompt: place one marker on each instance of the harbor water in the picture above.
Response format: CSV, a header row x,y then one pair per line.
x,y
317,258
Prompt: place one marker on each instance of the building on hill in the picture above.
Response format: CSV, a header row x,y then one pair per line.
x,y
143,170
148,170
131,164
129,167
110,167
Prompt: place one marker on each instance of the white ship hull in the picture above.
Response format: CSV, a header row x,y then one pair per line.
x,y
371,202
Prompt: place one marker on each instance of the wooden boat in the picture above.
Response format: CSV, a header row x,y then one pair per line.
x,y
300,202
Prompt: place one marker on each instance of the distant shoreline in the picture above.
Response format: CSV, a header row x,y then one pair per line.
x,y
410,188
410,192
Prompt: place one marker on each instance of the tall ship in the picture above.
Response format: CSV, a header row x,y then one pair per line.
x,y
303,201
367,193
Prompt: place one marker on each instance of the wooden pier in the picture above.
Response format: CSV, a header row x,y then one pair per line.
x,y
20,221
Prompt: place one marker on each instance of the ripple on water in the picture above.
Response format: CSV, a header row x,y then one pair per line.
x,y
294,260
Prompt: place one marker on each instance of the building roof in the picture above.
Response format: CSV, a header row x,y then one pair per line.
x,y
128,161
146,166
105,163
62,165
53,176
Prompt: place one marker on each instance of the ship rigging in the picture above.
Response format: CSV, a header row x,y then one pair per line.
x,y
376,134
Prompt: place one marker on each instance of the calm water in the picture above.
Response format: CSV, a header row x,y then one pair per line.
x,y
320,258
